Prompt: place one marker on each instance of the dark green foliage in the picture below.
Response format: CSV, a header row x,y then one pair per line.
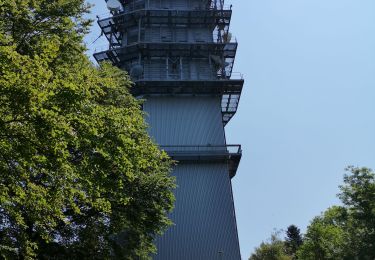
x,y
79,176
272,250
346,232
341,232
358,196
325,237
293,239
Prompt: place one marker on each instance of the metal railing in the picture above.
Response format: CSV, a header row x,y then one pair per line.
x,y
202,149
130,6
236,75
229,154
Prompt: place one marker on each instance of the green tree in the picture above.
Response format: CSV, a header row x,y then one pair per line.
x,y
346,232
341,232
272,250
293,240
358,196
79,176
326,237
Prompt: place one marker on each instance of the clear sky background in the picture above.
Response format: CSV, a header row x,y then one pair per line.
x,y
307,109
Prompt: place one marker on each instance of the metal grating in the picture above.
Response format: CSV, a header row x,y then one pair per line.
x,y
120,56
131,5
113,27
229,105
140,14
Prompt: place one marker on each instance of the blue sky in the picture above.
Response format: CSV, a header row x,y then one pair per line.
x,y
307,108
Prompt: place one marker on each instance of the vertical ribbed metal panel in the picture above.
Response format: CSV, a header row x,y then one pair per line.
x,y
205,225
185,68
185,120
166,34
200,69
181,35
196,4
152,34
205,71
165,4
154,4
204,219
155,69
200,35
180,4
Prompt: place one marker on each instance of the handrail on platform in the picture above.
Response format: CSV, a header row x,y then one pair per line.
x,y
228,149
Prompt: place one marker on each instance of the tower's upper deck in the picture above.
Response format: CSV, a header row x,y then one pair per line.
x,y
131,5
175,47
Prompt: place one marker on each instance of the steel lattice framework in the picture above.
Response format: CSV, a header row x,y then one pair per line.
x,y
138,14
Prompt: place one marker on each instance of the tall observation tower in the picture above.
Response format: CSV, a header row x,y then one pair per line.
x,y
180,55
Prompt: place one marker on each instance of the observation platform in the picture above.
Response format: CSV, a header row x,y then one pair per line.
x,y
230,154
131,5
125,52
114,26
229,90
119,56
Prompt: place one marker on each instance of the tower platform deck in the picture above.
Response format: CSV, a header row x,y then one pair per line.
x,y
230,154
117,24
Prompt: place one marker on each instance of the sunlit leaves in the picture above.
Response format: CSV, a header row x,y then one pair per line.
x,y
348,231
77,168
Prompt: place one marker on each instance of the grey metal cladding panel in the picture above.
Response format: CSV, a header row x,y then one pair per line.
x,y
180,4
171,4
200,35
167,34
204,219
152,34
185,120
197,4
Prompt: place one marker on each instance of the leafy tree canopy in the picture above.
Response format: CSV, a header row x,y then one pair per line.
x,y
358,197
341,232
79,176
272,250
325,237
348,231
